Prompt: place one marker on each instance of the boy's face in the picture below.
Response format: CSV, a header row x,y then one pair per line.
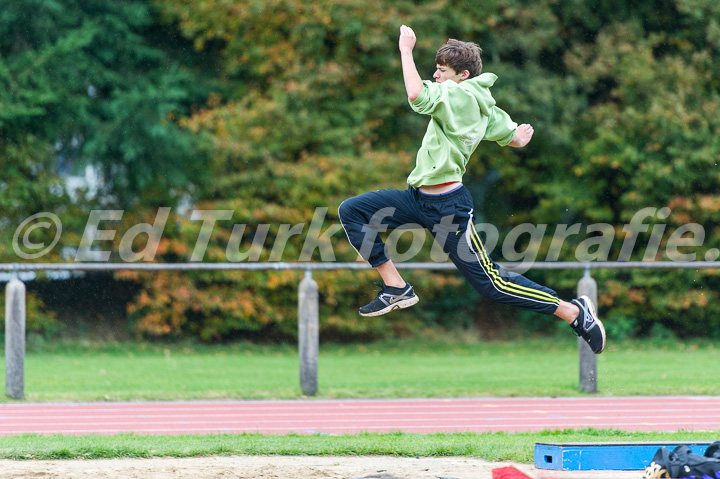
x,y
444,73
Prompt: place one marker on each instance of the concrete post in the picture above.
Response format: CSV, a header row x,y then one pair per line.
x,y
308,334
15,339
588,360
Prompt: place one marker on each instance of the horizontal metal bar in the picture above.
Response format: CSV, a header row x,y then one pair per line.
x,y
346,266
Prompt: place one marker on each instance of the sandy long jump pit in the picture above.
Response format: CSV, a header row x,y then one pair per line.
x,y
251,467
277,467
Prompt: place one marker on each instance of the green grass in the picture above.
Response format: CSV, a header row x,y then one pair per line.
x,y
516,447
77,372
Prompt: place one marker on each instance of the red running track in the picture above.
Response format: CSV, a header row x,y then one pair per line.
x,y
696,413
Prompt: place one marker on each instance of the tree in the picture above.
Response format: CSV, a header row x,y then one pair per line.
x,y
87,80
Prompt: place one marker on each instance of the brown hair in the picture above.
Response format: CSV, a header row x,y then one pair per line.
x,y
460,56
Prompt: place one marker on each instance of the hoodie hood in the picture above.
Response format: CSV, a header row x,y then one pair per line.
x,y
479,87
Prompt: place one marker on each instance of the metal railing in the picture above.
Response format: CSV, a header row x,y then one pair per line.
x,y
308,307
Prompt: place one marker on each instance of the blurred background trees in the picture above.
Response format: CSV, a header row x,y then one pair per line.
x,y
273,109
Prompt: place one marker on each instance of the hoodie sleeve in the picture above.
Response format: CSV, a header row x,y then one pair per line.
x,y
501,128
430,95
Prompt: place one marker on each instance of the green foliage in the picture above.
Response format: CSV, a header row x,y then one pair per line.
x,y
39,320
279,110
620,328
87,79
622,97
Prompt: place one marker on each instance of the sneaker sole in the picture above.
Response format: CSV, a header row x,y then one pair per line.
x,y
597,320
405,303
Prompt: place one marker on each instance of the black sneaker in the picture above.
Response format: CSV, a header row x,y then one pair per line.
x,y
390,299
588,326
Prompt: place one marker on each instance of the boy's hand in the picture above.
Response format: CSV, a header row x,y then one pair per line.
x,y
407,39
522,137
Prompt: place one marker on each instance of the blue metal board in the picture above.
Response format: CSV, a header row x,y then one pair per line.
x,y
604,456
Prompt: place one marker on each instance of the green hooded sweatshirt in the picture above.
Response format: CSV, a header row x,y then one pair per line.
x,y
462,114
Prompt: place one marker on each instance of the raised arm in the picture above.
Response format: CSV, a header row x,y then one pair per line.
x,y
413,82
522,137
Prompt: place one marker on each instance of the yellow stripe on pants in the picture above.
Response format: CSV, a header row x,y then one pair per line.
x,y
498,280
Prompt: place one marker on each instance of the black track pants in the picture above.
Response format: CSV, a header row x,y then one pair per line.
x,y
449,219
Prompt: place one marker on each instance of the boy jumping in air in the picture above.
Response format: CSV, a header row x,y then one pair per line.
x,y
462,113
